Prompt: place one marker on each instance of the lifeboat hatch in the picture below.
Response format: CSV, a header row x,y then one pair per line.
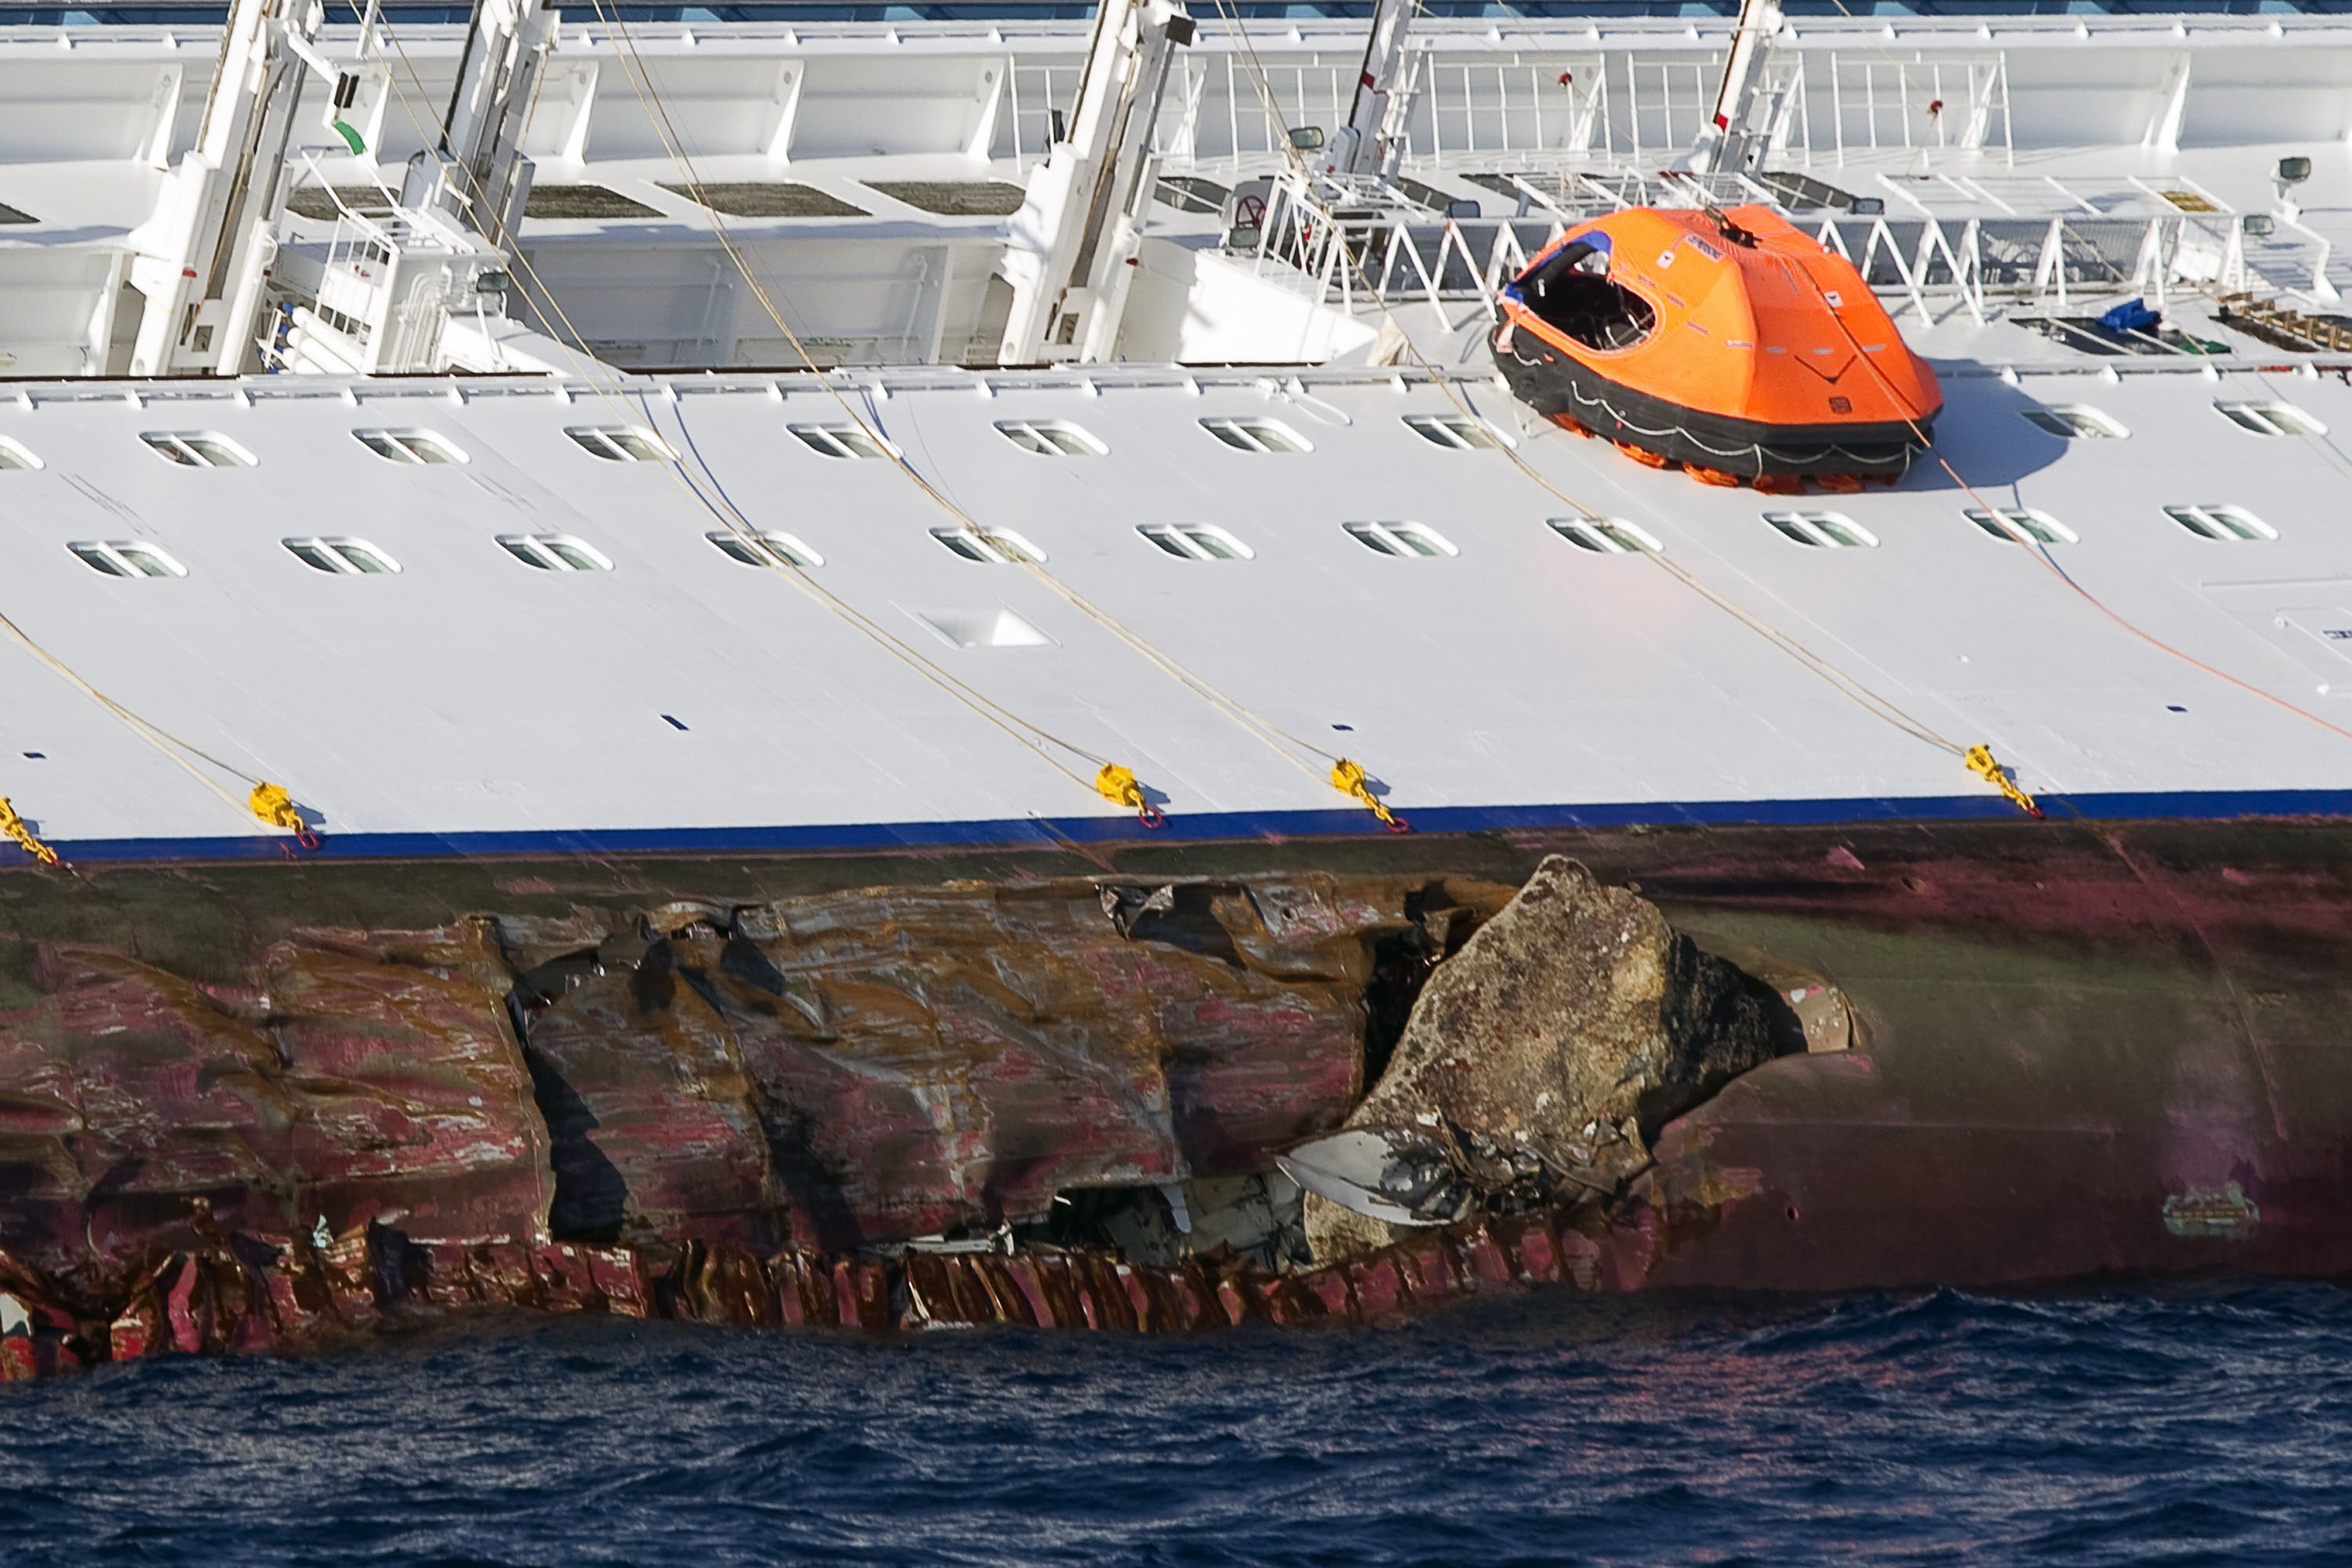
x,y
1574,292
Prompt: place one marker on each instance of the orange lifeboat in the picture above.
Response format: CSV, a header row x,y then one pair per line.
x,y
1728,342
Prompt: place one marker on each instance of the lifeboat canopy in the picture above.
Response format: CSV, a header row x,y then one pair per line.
x,y
1728,342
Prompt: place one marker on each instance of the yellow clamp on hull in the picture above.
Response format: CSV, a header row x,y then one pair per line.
x,y
1349,779
275,807
1121,788
14,827
1980,762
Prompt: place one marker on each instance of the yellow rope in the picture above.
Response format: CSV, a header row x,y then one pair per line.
x,y
14,826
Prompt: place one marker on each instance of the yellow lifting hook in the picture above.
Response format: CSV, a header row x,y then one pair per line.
x,y
1980,760
1349,779
12,826
1121,788
273,805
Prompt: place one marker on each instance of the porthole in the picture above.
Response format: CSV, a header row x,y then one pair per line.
x,y
342,557
1821,530
840,441
621,444
2075,421
197,448
1050,437
126,558
998,546
1258,434
1405,539
2268,418
408,447
2023,525
1454,432
765,548
1196,542
1605,536
554,552
2221,522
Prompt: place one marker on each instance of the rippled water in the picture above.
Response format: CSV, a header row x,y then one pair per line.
x,y
2209,1423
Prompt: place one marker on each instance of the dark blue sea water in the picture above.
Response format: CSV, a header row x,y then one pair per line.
x,y
2206,1424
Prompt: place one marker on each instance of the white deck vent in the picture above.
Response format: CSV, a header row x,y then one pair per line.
x,y
982,628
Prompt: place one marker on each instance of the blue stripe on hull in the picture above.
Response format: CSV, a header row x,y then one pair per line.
x,y
2184,805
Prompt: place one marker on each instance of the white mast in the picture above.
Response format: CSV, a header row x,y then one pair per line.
x,y
1723,143
1082,220
478,172
1373,140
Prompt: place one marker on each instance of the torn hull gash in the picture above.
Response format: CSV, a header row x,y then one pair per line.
x,y
1192,1087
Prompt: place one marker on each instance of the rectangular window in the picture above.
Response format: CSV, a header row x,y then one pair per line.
x,y
2271,418
553,553
1823,530
126,558
408,447
1258,434
764,549
1050,437
1407,539
1196,542
2221,522
343,557
1452,431
2023,526
839,441
1604,535
998,546
621,444
197,448
2076,422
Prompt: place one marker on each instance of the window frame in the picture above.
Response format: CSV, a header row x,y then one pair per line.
x,y
2005,525
981,548
1438,430
1380,539
188,455
2261,417
1046,447
841,436
1821,530
1234,432
111,557
580,433
545,545
452,455
26,460
2224,522
779,547
1599,536
2059,419
1181,541
331,547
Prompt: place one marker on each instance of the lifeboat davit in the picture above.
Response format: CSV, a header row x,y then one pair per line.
x,y
1728,342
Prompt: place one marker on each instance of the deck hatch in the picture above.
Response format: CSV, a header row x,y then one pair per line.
x,y
1605,536
342,557
1196,542
126,558
763,549
1401,539
1258,434
2221,522
197,448
1821,530
2023,525
554,552
408,447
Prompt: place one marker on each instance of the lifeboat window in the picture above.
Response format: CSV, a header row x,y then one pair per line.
x,y
1454,432
621,444
1258,434
2271,418
2221,522
1050,437
553,553
997,547
1830,530
1604,535
197,449
126,558
1196,542
343,557
1401,539
409,446
839,441
1573,293
2023,526
763,549
13,456
2076,422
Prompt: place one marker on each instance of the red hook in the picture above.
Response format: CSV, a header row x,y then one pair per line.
x,y
1151,815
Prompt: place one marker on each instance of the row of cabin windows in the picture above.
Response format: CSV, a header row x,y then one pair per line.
x,y
1189,541
1058,438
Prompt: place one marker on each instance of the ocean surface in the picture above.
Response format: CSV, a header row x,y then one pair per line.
x,y
2209,1423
